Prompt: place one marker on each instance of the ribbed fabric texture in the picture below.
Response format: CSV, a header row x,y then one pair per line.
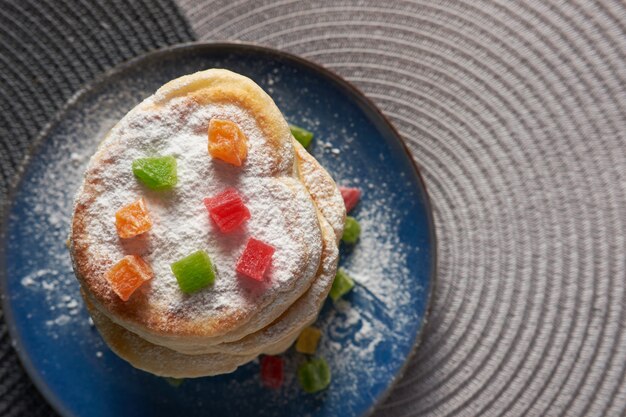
x,y
48,50
516,113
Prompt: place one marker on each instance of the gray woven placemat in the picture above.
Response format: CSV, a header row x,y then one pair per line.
x,y
516,112
48,49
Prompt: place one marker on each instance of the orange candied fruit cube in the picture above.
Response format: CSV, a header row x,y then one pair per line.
x,y
129,274
133,219
227,142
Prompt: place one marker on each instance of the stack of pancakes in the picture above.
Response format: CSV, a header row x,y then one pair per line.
x,y
295,206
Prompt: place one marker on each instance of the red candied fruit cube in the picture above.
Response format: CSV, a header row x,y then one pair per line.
x,y
255,259
272,371
227,210
351,197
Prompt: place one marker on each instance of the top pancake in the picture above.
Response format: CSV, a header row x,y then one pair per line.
x,y
174,121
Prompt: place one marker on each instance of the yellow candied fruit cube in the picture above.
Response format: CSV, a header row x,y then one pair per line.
x,y
308,340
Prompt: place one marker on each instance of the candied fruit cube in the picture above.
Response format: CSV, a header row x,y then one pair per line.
x,y
351,197
227,210
351,230
308,340
302,135
174,382
133,219
314,375
342,285
227,142
272,371
156,173
130,273
255,259
194,272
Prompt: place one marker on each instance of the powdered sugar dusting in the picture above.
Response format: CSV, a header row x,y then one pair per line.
x,y
282,212
371,321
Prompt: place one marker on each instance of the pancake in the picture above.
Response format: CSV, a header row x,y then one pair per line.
x,y
225,357
295,206
174,122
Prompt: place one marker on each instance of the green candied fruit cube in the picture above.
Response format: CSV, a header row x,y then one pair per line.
x,y
302,135
194,272
351,231
156,173
174,382
342,285
314,375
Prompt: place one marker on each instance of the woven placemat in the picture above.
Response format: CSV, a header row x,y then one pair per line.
x,y
516,113
48,50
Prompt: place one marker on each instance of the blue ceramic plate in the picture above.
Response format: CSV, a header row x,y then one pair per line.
x,y
367,337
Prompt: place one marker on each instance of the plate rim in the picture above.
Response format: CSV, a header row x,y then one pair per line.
x,y
58,117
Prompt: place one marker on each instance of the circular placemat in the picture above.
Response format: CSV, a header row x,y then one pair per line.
x,y
515,111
